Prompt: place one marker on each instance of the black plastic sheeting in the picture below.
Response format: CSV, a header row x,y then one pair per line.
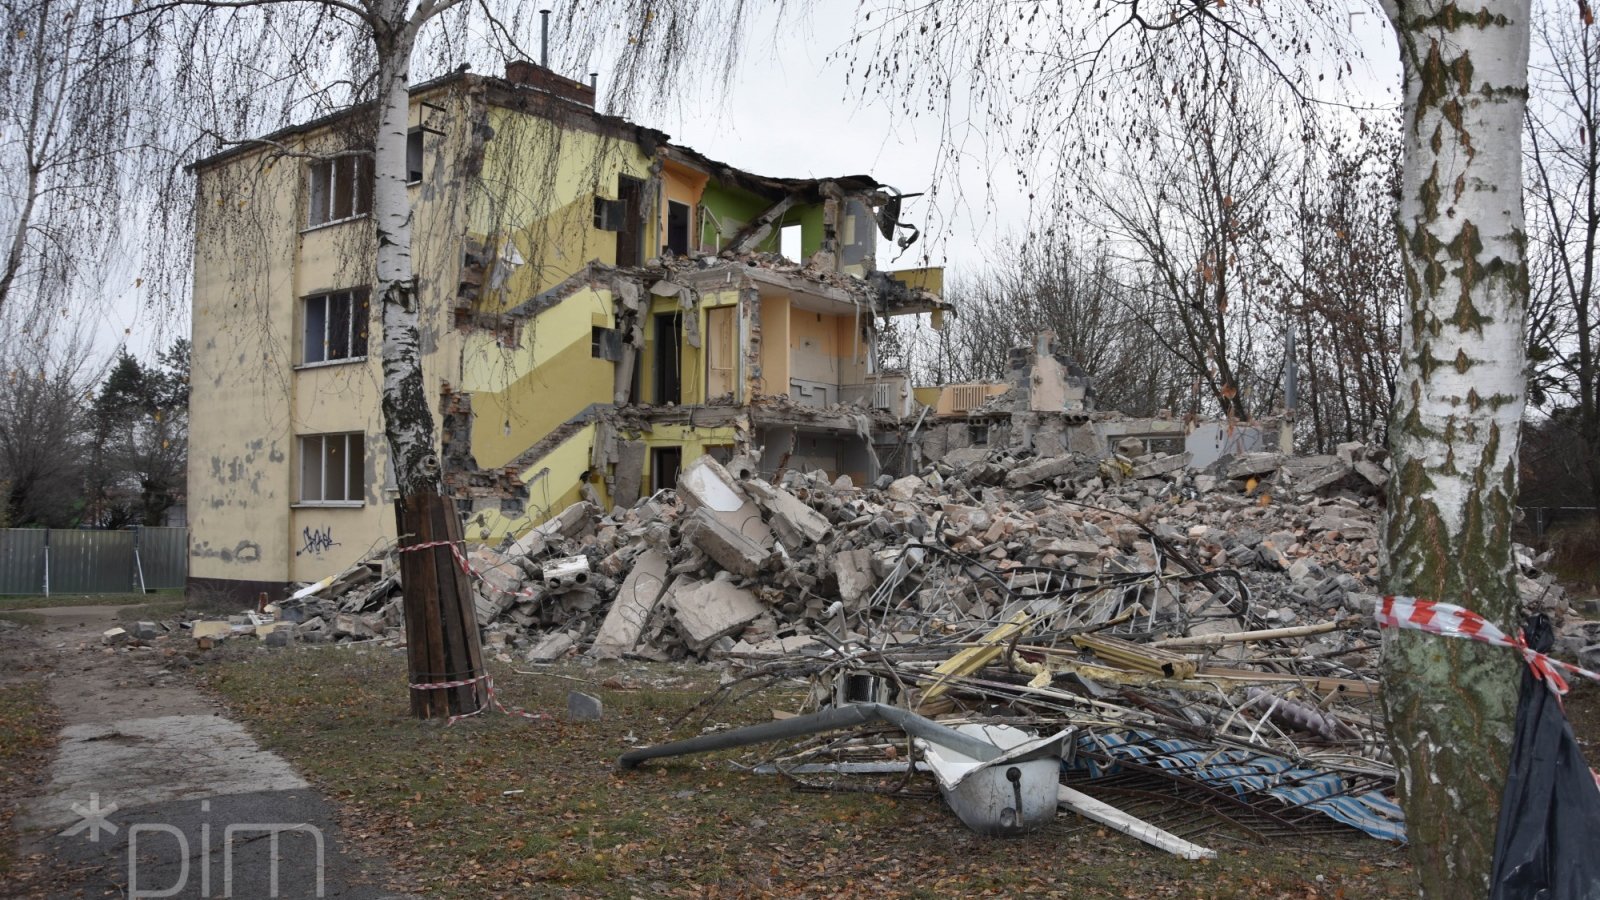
x,y
1550,814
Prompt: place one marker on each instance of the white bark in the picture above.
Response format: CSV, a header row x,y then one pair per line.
x,y
1454,426
408,420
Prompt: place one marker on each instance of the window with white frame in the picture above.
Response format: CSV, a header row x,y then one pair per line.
x,y
340,188
333,469
336,327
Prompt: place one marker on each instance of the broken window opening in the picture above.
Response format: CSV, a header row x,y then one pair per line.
x,y
791,242
678,228
608,214
978,435
605,343
336,327
414,156
668,349
858,237
340,189
1170,444
630,230
332,468
665,463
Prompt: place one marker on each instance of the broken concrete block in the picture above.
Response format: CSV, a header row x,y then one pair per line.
x,y
1161,466
115,636
1064,547
1247,464
630,612
358,627
713,609
706,484
853,569
966,456
147,631
1041,470
566,574
790,515
583,707
1317,479
271,628
904,488
1350,451
552,647
1375,474
214,629
630,473
278,637
732,549
498,581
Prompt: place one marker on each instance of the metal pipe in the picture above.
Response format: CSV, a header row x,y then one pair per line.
x,y
544,38
835,719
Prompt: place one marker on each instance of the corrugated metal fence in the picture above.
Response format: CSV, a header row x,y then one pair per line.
x,y
62,561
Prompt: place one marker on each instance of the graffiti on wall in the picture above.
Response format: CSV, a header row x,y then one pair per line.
x,y
316,540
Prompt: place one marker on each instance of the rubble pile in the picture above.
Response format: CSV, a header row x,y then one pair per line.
x,y
1198,629
740,566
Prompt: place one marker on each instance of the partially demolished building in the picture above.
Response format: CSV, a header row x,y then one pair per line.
x,y
600,306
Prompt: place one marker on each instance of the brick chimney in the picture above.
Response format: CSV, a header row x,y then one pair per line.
x,y
533,75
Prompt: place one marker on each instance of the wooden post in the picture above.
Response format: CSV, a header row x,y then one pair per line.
x,y
442,642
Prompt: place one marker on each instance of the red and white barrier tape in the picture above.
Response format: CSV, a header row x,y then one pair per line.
x,y
488,683
461,560
1454,621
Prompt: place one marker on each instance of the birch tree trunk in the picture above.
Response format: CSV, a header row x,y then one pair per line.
x,y
1450,704
407,420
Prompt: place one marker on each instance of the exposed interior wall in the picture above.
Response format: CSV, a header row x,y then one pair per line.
x,y
685,186
722,351
775,349
810,220
523,391
826,352
803,450
725,211
554,482
540,181
694,442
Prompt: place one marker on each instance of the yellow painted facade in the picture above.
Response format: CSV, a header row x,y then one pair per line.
x,y
260,396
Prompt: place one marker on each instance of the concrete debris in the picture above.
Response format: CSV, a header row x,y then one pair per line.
x,y
712,609
740,564
583,707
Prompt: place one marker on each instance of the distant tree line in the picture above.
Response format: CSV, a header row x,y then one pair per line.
x,y
81,451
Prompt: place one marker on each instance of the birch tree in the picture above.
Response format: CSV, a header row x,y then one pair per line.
x,y
1040,78
1455,424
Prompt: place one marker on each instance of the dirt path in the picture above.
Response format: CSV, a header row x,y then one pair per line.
x,y
154,788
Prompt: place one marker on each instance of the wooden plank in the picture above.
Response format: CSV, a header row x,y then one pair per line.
x,y
456,609
419,578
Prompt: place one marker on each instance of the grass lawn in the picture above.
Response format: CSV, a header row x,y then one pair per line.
x,y
152,605
499,806
27,740
38,601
